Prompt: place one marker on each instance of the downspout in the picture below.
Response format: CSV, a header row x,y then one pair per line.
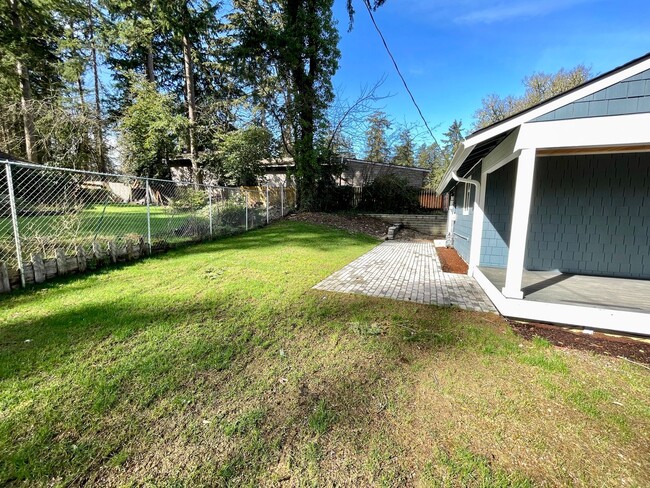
x,y
466,180
452,219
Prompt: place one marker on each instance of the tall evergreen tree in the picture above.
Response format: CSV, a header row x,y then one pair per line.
x,y
404,151
377,148
28,50
298,41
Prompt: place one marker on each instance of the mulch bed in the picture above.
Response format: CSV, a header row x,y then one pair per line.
x,y
451,262
357,223
615,346
352,223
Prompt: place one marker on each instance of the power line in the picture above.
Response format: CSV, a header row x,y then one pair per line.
x,y
383,40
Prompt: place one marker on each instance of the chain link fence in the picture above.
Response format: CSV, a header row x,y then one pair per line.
x,y
49,213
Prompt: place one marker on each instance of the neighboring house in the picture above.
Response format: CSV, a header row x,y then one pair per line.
x,y
552,205
357,172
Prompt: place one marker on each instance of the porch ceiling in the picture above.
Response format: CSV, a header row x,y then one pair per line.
x,y
580,290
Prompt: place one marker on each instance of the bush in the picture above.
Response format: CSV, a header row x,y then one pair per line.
x,y
232,214
390,193
187,198
336,198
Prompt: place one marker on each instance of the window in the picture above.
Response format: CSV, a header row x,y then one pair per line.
x,y
467,198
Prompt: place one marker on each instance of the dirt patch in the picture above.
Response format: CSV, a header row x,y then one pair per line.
x,y
615,346
450,260
405,234
357,223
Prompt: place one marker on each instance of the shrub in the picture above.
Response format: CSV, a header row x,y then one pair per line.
x,y
232,214
391,194
336,198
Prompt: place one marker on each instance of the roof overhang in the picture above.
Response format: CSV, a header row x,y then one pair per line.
x,y
486,137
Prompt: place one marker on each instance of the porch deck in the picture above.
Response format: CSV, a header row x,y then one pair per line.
x,y
590,291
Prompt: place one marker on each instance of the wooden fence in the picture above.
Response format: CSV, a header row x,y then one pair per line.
x,y
431,201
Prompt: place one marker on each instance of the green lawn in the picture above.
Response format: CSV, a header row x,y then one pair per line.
x,y
43,233
217,364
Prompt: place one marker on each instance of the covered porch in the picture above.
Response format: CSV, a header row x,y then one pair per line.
x,y
561,234
581,290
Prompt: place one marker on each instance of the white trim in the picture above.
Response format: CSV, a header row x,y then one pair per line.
x,y
507,125
561,101
596,131
460,155
504,161
558,313
477,226
519,226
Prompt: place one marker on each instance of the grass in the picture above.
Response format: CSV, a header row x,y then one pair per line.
x,y
218,365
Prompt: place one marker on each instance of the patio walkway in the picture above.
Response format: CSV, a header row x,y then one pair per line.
x,y
407,271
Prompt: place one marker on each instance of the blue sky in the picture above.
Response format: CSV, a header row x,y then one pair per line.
x,y
455,52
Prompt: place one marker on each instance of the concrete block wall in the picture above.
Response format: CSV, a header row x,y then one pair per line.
x,y
432,224
499,200
591,215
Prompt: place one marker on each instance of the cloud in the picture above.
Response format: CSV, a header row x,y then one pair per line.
x,y
469,12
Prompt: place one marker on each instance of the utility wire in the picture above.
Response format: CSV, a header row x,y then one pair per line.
x,y
390,54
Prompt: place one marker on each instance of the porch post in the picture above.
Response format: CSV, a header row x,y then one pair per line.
x,y
477,226
519,227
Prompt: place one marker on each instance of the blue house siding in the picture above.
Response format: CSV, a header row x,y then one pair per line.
x,y
463,225
591,215
630,96
499,200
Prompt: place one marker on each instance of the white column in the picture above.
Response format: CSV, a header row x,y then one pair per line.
x,y
477,226
519,227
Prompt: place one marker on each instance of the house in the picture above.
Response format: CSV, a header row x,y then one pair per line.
x,y
356,172
552,206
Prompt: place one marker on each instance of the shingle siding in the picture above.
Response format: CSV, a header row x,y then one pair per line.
x,y
591,215
499,199
463,225
630,96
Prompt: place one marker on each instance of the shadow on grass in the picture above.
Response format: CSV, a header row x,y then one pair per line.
x,y
276,234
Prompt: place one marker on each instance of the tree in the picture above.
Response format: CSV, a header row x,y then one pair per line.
x,y
296,40
377,148
28,50
538,87
404,151
239,154
150,130
186,21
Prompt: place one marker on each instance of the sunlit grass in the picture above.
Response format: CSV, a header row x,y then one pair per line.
x,y
217,364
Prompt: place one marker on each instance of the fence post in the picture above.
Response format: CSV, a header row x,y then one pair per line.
x,y
246,193
267,203
210,209
14,222
148,200
281,200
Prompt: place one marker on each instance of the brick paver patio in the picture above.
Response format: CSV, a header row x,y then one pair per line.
x,y
407,271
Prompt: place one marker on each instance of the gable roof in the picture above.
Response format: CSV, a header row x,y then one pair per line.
x,y
491,136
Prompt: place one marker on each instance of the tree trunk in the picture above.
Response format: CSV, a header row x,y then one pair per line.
x,y
25,92
25,103
302,79
82,98
99,128
151,75
191,106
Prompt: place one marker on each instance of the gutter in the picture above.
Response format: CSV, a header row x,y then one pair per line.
x,y
468,181
451,219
